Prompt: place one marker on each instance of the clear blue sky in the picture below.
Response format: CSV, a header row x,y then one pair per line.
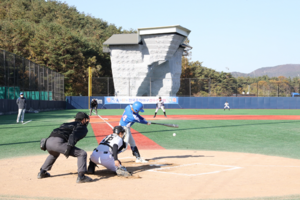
x,y
241,35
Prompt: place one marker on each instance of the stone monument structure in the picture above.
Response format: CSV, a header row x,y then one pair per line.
x,y
147,63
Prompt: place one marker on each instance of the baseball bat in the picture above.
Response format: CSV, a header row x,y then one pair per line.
x,y
168,125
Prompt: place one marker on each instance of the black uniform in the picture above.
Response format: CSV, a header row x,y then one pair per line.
x,y
94,105
63,140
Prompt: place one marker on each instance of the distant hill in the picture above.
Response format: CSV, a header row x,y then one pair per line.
x,y
289,70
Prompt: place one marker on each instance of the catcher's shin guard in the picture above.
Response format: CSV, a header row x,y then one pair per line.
x,y
91,168
135,152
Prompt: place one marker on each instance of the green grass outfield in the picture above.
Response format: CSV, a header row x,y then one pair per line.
x,y
280,138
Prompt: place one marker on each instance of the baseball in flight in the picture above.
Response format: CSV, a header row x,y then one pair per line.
x,y
174,134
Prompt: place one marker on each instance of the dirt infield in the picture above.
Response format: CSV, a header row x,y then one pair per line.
x,y
170,174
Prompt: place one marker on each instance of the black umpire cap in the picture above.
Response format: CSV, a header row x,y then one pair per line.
x,y
81,116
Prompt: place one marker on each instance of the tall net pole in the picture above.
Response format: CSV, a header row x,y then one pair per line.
x,y
90,85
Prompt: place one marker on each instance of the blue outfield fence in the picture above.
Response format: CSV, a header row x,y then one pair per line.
x,y
81,102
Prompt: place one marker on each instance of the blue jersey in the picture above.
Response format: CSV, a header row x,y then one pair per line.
x,y
129,118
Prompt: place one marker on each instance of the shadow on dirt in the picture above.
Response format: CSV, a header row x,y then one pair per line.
x,y
103,173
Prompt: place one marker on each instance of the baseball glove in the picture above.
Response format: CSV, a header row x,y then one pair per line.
x,y
122,171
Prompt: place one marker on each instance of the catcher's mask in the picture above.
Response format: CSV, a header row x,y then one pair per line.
x,y
80,116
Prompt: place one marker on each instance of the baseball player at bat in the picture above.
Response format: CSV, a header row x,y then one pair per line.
x,y
106,153
160,105
129,117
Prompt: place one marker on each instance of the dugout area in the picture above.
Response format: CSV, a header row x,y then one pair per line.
x,y
237,154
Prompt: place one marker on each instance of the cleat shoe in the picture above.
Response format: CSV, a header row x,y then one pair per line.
x,y
84,179
140,160
43,175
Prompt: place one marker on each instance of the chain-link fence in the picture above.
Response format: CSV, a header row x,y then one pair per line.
x,y
43,88
269,89
105,86
36,82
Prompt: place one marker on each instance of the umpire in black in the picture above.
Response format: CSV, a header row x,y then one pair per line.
x,y
63,140
94,105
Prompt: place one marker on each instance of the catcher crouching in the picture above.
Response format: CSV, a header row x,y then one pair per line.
x,y
106,153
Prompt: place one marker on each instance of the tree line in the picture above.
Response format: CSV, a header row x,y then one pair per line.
x,y
203,81
53,34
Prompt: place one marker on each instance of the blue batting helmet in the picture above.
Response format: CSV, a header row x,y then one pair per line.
x,y
137,107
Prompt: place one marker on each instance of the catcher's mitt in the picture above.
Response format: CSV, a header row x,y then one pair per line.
x,y
122,171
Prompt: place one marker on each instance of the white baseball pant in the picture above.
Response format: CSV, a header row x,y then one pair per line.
x,y
105,159
162,108
226,107
128,139
21,114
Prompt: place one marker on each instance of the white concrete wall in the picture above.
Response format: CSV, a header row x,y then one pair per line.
x,y
154,66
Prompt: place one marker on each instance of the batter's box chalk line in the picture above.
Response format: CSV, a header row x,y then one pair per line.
x,y
27,122
228,168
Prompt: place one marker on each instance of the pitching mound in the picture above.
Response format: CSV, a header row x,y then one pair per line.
x,y
169,174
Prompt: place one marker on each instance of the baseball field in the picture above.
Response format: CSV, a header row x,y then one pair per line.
x,y
216,154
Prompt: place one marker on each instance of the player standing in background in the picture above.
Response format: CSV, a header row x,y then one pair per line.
x,y
94,105
129,117
21,102
160,105
226,105
62,140
106,153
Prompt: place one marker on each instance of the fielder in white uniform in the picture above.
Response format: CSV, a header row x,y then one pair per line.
x,y
160,105
226,105
106,153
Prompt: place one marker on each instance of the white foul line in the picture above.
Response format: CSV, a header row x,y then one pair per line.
x,y
27,122
213,172
106,122
97,114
